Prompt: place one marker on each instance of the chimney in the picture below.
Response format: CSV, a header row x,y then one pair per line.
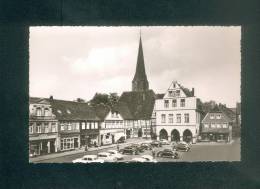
x,y
51,97
192,91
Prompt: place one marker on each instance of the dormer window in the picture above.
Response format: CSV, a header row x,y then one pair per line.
x,y
68,111
166,103
212,116
59,111
170,93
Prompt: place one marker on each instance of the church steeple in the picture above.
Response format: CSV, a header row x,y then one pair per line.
x,y
140,82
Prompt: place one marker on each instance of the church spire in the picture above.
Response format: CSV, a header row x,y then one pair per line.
x,y
140,82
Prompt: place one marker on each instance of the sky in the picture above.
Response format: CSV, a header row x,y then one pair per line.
x,y
77,62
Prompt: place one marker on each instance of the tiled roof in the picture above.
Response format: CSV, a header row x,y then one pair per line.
x,y
124,111
139,103
187,92
224,118
70,110
33,100
159,96
101,110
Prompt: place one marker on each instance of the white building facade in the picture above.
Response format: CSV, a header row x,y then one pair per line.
x,y
177,115
112,128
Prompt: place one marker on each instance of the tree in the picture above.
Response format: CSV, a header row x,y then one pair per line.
x,y
113,99
102,98
80,100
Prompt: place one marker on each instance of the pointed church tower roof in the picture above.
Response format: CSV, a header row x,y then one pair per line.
x,y
140,82
140,68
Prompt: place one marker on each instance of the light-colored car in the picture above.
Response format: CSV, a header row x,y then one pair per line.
x,y
149,158
107,157
141,160
116,154
144,158
88,159
164,142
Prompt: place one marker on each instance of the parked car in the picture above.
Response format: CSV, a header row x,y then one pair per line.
x,y
88,159
164,142
139,160
121,140
116,154
149,158
167,153
138,147
146,146
156,143
107,157
129,150
181,146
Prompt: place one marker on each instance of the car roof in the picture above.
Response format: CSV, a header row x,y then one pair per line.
x,y
147,156
112,151
136,159
90,156
103,153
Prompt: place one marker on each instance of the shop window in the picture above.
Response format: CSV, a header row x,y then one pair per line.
x,y
178,117
163,118
186,118
182,102
170,118
174,103
166,103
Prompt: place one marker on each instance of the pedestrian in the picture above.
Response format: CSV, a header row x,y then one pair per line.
x,y
86,148
153,153
117,147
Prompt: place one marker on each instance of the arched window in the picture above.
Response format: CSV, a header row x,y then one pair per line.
x,y
38,112
46,112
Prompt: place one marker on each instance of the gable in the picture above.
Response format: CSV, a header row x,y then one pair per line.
x,y
176,90
113,115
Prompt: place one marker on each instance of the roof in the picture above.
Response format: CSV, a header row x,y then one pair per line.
x,y
123,109
70,110
224,118
101,111
159,96
140,69
140,104
36,100
187,92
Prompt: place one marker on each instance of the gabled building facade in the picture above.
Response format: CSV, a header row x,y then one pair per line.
x,y
177,115
43,128
216,126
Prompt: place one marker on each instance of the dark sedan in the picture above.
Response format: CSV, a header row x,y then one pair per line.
x,y
166,153
129,150
181,146
156,143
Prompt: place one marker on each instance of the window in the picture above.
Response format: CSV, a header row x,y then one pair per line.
x,y
90,125
68,143
177,93
186,118
218,126
38,128
212,116
69,126
170,118
166,103
46,112
182,102
77,125
30,129
163,118
178,117
53,127
96,125
62,127
218,116
38,112
206,125
46,127
87,125
83,125
170,93
224,125
213,125
174,103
